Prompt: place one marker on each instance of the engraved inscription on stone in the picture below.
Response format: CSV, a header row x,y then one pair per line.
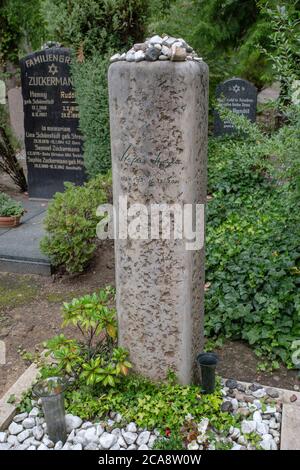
x,y
53,142
239,96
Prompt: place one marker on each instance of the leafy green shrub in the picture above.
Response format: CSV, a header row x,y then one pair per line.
x,y
95,359
71,224
93,112
253,239
9,207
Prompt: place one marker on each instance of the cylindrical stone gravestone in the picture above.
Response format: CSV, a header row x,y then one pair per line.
x,y
158,119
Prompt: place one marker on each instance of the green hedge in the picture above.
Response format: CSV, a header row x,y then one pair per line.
x,y
92,96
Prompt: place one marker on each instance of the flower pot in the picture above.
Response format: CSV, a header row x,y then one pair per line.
x,y
208,363
50,391
12,221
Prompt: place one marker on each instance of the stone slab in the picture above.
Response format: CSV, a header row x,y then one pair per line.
x,y
290,430
158,119
16,113
24,382
19,246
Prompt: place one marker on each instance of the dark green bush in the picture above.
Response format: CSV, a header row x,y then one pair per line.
x,y
92,96
94,29
96,25
71,224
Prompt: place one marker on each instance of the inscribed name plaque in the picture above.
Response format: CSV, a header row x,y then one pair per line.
x,y
54,145
239,96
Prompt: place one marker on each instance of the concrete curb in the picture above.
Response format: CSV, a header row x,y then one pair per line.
x,y
290,428
24,382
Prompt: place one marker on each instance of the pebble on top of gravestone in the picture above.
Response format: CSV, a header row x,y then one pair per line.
x,y
237,95
53,142
158,102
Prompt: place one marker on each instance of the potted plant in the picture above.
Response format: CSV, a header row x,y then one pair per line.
x,y
11,211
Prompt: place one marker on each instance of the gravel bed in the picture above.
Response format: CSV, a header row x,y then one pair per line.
x,y
259,411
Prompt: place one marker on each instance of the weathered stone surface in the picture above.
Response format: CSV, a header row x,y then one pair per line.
x,y
158,115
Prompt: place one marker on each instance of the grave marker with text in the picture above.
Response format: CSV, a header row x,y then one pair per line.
x,y
239,96
53,142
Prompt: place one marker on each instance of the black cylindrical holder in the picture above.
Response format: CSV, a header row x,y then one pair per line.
x,y
208,363
50,391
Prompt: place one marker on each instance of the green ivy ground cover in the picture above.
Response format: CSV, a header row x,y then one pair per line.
x,y
253,242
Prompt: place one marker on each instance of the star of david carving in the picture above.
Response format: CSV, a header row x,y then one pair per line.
x,y
52,69
236,88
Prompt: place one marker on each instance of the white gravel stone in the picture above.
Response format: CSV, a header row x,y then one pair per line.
x,y
71,436
13,440
34,413
116,446
235,404
15,428
24,435
22,447
152,440
257,417
115,58
42,447
59,445
37,432
72,422
131,447
262,428
260,393
28,423
100,430
257,404
118,418
236,447
66,446
156,40
131,427
107,440
138,56
3,437
48,442
76,447
130,437
143,447
87,425
143,438
121,441
91,435
248,426
20,417
130,56
31,448
91,446
5,446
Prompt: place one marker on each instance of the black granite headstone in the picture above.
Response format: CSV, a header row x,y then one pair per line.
x,y
239,96
53,142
